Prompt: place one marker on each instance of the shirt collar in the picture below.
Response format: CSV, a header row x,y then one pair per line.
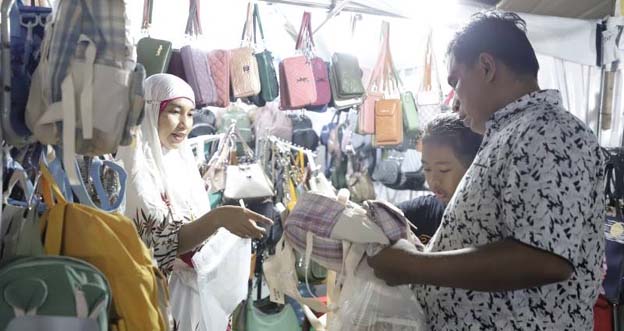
x,y
541,97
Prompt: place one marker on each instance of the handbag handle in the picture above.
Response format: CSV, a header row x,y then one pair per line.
x,y
305,39
246,37
193,22
257,24
148,8
234,135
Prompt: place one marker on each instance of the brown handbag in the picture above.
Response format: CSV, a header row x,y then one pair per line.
x,y
388,111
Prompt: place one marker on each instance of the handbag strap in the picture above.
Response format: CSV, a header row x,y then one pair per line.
x,y
148,8
193,22
257,24
305,39
246,37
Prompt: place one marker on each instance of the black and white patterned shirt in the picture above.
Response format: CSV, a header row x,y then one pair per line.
x,y
538,178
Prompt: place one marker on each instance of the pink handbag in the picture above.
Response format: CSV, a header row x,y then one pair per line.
x,y
297,81
219,61
320,68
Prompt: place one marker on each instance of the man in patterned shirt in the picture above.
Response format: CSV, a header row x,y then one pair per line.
x,y
520,245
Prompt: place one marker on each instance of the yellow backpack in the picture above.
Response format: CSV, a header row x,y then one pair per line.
x,y
110,242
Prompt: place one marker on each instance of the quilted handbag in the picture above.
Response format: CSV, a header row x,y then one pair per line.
x,y
219,61
244,73
198,75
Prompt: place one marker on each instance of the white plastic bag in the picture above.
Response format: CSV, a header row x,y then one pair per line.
x,y
223,267
367,303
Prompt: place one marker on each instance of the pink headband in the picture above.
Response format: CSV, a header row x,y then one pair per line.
x,y
164,103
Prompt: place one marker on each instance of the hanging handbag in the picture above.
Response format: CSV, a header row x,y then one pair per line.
x,y
246,181
243,64
298,86
269,87
388,111
348,76
366,115
320,68
154,54
219,62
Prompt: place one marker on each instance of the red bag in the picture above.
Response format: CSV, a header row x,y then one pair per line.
x,y
603,315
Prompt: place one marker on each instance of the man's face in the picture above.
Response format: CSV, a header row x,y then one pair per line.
x,y
471,91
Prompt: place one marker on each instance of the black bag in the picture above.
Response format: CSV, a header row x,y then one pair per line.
x,y
273,232
303,132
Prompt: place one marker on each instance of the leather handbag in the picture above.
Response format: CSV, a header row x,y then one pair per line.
x,y
244,73
176,67
411,119
388,111
198,75
219,61
298,85
246,181
154,55
341,102
320,70
269,87
348,75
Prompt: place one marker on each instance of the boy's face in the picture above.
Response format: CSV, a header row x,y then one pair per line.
x,y
443,170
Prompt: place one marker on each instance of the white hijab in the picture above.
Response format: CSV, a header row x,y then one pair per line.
x,y
153,171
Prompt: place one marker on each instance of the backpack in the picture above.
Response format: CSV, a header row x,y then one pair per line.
x,y
59,292
303,132
111,243
27,25
86,92
204,123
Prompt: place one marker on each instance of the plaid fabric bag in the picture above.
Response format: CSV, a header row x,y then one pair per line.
x,y
87,91
318,226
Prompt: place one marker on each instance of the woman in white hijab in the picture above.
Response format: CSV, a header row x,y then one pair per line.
x,y
166,197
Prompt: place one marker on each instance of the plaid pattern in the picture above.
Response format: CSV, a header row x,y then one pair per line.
x,y
389,218
104,22
317,214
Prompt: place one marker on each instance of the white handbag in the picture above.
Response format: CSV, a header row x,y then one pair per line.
x,y
246,181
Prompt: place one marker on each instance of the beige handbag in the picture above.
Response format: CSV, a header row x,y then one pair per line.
x,y
244,73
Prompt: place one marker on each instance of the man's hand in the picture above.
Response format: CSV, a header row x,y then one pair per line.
x,y
393,265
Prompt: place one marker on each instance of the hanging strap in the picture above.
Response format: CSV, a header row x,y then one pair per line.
x,y
257,24
246,37
148,6
68,92
53,221
193,22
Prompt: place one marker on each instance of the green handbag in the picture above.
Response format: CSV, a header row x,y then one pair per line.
x,y
285,320
269,88
153,54
411,121
348,76
316,272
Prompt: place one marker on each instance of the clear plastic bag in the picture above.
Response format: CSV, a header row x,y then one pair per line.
x,y
367,303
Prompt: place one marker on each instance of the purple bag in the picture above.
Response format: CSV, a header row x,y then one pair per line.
x,y
198,75
320,69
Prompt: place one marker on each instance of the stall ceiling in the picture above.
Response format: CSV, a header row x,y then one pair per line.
x,y
586,9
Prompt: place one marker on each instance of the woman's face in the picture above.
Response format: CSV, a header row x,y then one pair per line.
x,y
443,170
175,122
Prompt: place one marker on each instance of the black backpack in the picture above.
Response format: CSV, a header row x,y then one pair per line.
x,y
303,132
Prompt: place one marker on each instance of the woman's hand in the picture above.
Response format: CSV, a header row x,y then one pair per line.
x,y
241,221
